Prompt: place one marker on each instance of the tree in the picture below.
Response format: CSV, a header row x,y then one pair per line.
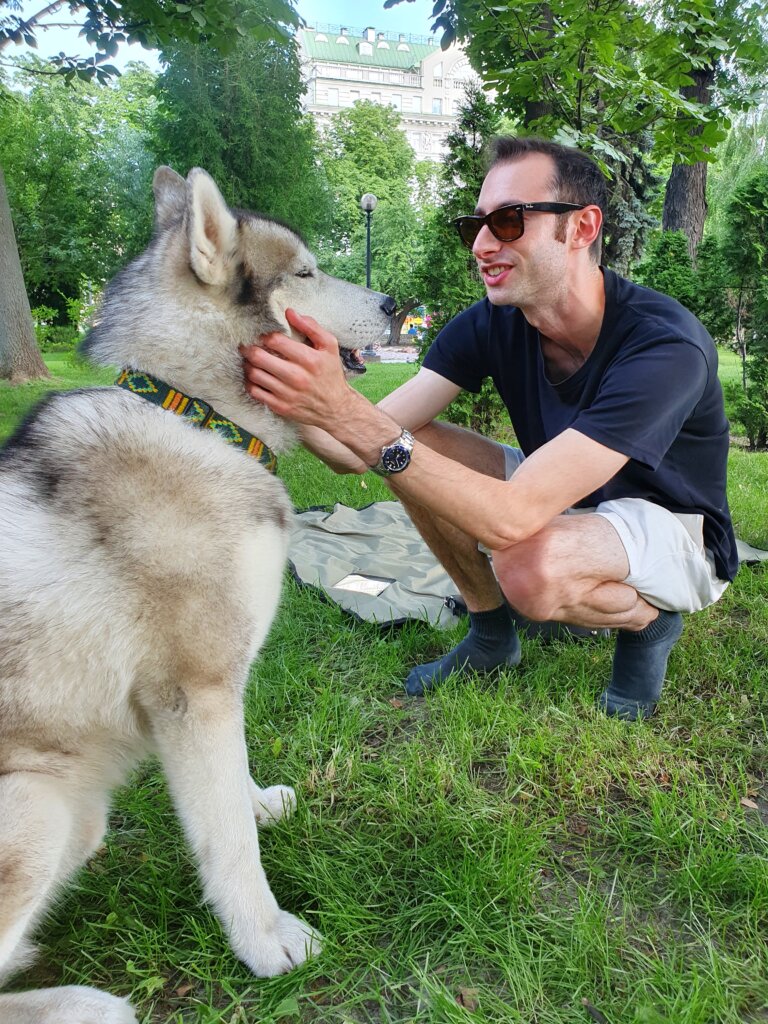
x,y
723,46
105,25
615,78
79,176
19,357
447,277
239,116
365,150
745,250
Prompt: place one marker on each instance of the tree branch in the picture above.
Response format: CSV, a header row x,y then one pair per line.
x,y
34,21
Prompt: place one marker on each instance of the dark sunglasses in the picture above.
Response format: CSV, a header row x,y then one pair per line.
x,y
507,222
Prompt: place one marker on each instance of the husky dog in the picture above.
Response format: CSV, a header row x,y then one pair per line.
x,y
140,569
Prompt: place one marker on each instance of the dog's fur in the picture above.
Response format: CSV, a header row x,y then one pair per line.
x,y
140,569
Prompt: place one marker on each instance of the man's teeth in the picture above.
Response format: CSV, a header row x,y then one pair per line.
x,y
495,271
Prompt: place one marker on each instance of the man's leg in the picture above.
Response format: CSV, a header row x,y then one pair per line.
x,y
571,571
492,640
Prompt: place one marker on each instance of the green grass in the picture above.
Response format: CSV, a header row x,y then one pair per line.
x,y
500,844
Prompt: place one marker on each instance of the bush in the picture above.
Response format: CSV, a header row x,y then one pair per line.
x,y
667,268
750,408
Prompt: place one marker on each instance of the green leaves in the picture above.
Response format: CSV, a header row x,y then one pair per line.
x,y
216,23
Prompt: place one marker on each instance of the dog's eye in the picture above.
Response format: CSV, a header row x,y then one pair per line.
x,y
304,273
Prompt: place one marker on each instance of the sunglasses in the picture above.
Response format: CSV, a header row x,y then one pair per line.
x,y
507,222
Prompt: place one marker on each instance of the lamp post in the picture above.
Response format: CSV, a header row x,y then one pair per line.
x,y
368,205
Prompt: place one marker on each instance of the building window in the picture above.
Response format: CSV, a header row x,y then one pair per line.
x,y
333,97
437,71
396,101
365,49
456,106
416,104
437,105
375,97
354,96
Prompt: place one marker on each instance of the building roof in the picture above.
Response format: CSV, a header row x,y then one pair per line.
x,y
349,53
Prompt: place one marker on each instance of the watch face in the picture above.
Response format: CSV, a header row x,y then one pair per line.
x,y
396,458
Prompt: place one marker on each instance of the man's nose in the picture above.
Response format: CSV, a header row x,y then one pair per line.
x,y
486,242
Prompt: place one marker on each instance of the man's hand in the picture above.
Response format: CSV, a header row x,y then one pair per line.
x,y
303,382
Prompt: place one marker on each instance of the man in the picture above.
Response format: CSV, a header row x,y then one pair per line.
x,y
613,394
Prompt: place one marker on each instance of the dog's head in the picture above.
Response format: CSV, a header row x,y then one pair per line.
x,y
263,267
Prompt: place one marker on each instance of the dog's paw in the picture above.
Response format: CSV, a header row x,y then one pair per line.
x,y
288,943
272,804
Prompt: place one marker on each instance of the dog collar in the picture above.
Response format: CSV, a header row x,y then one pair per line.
x,y
198,412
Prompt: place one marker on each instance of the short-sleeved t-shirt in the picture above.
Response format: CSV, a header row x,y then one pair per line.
x,y
649,389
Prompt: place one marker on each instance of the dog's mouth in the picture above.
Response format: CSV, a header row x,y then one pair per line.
x,y
351,360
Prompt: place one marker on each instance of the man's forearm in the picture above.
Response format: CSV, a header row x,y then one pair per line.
x,y
334,454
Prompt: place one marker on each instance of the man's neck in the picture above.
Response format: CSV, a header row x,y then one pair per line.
x,y
572,323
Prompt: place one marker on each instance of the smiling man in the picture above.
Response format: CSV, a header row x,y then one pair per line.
x,y
613,512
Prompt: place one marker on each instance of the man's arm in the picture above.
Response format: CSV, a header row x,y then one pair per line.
x,y
413,404
305,383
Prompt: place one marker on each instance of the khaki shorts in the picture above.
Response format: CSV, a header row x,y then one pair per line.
x,y
668,563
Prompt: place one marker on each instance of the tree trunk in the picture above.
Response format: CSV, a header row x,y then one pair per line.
x,y
685,199
399,319
20,357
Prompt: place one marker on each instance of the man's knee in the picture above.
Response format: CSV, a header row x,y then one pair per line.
x,y
532,577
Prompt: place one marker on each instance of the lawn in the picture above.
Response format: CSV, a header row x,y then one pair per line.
x,y
498,852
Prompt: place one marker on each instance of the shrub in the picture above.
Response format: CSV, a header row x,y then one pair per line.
x,y
749,407
667,268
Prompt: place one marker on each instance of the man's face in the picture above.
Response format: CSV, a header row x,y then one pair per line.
x,y
530,270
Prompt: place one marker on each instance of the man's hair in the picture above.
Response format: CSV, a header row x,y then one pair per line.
x,y
576,179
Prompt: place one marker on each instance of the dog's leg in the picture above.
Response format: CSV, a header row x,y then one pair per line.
x,y
44,836
70,1004
35,831
199,736
271,804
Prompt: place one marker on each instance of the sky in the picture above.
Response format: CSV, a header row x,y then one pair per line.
x,y
410,18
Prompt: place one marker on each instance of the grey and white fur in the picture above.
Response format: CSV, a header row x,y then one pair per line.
x,y
140,570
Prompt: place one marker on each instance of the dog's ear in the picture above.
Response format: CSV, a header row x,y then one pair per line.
x,y
170,196
212,229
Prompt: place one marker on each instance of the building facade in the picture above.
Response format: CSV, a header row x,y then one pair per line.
x,y
410,73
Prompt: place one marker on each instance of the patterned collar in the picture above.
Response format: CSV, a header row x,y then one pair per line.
x,y
198,411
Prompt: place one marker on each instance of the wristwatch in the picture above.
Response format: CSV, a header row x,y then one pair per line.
x,y
396,456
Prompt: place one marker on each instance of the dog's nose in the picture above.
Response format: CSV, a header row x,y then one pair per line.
x,y
388,305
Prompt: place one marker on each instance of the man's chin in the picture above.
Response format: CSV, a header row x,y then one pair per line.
x,y
501,297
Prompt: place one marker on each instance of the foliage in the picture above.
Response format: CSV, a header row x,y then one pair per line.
x,y
667,268
239,116
106,24
737,157
713,300
744,244
748,403
446,278
365,150
78,176
630,83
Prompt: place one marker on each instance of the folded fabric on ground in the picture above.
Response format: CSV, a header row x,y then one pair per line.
x,y
374,564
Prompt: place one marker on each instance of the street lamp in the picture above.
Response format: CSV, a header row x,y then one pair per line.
x,y
368,205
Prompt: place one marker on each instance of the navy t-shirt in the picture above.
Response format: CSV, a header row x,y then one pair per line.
x,y
649,389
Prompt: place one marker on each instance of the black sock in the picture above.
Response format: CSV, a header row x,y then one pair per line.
x,y
491,642
639,667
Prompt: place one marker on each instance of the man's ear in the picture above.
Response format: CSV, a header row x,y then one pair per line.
x,y
590,222
170,197
212,230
